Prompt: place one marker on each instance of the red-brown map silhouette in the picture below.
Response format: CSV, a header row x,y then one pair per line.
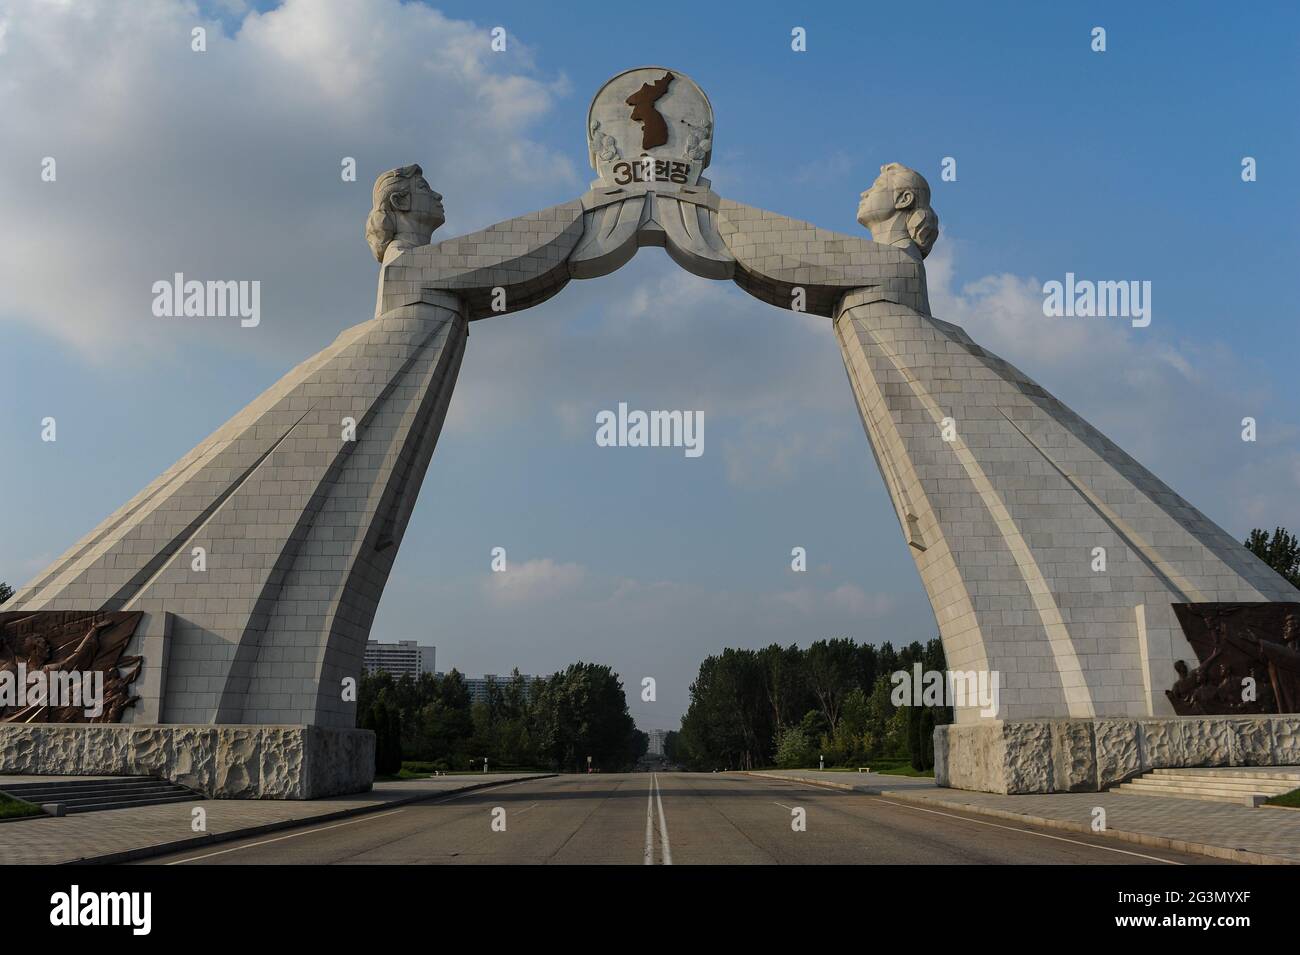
x,y
654,131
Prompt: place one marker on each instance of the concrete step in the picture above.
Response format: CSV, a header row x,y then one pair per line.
x,y
1270,786
1242,785
1282,773
74,783
36,790
134,801
1143,786
93,795
96,795
1238,799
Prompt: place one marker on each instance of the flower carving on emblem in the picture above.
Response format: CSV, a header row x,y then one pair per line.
x,y
699,140
603,144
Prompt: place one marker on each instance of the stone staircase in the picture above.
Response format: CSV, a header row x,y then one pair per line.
x,y
92,795
1249,785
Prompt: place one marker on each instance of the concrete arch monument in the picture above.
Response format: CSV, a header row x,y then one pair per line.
x,y
299,503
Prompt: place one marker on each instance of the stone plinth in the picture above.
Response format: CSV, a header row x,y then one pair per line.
x,y
1089,755
234,761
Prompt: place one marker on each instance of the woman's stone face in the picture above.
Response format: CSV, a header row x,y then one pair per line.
x,y
877,203
426,205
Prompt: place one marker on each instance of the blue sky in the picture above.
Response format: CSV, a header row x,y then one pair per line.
x,y
1115,165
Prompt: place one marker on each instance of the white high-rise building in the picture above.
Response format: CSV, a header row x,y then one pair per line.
x,y
478,685
404,658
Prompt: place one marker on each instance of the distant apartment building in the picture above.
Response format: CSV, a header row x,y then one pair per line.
x,y
403,658
478,685
657,738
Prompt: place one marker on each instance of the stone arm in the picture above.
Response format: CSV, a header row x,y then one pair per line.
x,y
504,268
776,256
521,262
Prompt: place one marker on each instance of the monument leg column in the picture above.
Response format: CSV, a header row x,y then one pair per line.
x,y
298,506
1006,498
897,417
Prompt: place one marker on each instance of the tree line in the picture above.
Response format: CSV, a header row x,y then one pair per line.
x,y
552,723
788,707
776,706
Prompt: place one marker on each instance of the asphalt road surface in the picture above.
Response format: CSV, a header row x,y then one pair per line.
x,y
670,818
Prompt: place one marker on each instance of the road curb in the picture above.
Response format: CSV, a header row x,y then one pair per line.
x,y
1138,838
824,784
212,838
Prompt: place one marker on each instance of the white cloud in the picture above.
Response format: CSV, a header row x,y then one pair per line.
x,y
846,599
656,337
226,164
533,580
1174,404
779,408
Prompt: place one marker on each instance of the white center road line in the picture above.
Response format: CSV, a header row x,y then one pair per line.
x,y
663,823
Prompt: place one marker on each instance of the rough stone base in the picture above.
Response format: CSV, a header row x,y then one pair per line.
x,y
234,761
1089,755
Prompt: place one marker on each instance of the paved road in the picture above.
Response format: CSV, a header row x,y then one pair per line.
x,y
674,818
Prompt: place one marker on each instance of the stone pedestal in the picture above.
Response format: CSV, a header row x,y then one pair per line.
x,y
233,761
1089,755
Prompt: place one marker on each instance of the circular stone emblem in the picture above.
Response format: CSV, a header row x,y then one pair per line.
x,y
651,124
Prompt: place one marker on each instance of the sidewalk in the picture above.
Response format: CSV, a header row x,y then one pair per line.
x,y
1264,835
119,835
1219,830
